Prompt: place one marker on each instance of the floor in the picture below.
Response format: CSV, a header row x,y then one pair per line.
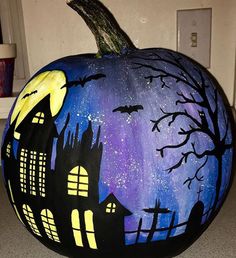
x,y
218,241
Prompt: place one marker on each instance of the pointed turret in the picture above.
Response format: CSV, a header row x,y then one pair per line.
x,y
96,145
87,138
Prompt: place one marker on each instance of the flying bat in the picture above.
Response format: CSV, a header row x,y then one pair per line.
x,y
84,80
128,109
29,94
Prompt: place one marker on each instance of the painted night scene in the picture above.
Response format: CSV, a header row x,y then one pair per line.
x,y
125,155
156,174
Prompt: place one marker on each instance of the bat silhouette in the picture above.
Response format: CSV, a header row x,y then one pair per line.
x,y
128,109
29,94
84,80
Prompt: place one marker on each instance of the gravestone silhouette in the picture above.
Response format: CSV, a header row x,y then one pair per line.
x,y
195,218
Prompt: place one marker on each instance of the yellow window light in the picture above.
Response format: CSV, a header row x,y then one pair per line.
x,y
75,221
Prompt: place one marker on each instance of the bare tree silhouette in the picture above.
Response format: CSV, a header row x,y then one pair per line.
x,y
209,118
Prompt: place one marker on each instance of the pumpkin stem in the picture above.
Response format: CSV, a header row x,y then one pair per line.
x,y
110,38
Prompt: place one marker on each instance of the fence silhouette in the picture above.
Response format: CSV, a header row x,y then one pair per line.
x,y
168,229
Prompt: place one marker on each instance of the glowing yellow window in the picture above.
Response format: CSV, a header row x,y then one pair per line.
x,y
75,221
38,118
49,225
78,182
8,150
42,169
23,165
111,207
32,171
88,218
30,219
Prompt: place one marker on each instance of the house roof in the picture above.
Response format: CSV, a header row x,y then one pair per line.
x,y
120,208
42,106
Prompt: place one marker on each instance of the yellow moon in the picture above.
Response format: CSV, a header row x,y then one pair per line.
x,y
44,84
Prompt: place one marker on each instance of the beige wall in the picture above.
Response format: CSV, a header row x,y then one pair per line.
x,y
54,30
2,125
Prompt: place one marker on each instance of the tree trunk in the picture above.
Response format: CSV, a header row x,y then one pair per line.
x,y
218,185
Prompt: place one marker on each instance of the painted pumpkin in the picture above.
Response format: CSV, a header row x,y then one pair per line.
x,y
126,153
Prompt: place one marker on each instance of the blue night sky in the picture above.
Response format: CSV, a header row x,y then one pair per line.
x,y
131,167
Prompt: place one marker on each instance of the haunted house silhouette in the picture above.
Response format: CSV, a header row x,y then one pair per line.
x,y
53,183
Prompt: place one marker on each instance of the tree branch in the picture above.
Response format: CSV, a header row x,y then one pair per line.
x,y
196,176
203,84
186,155
223,143
199,155
187,100
215,112
177,165
227,127
193,130
199,87
173,115
161,76
161,150
177,63
183,75
177,78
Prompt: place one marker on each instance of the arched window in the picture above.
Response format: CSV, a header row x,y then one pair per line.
x,y
75,221
78,182
38,118
49,225
89,227
30,219
23,164
111,207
